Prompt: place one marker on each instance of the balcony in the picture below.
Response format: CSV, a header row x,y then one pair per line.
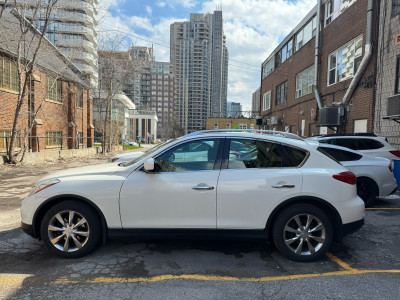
x,y
86,6
88,32
88,46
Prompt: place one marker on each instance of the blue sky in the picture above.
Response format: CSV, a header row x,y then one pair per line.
x,y
253,29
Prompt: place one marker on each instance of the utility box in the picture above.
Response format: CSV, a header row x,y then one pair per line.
x,y
274,120
331,115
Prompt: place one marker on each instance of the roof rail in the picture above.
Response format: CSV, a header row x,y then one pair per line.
x,y
272,132
349,134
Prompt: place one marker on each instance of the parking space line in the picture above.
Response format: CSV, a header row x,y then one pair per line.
x,y
340,262
17,281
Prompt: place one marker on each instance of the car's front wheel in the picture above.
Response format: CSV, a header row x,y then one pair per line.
x,y
71,229
302,232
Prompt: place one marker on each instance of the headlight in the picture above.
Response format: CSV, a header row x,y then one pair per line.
x,y
44,185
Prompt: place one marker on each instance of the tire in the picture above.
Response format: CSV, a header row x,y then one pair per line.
x,y
301,244
367,190
71,229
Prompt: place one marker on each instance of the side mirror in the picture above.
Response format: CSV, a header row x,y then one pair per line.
x,y
149,165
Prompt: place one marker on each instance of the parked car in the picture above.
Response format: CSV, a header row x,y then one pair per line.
x,y
121,157
374,174
285,191
367,143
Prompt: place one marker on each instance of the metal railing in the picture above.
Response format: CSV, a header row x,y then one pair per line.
x,y
38,143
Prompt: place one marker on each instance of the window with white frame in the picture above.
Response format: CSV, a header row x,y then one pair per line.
x,y
242,126
268,68
266,100
228,126
344,62
304,82
215,126
334,8
251,126
395,8
306,33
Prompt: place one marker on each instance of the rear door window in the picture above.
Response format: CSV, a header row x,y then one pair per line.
x,y
369,144
347,142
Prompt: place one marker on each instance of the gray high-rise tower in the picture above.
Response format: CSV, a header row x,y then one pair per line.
x,y
199,59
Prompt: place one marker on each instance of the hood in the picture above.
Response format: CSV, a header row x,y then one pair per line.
x,y
130,155
103,169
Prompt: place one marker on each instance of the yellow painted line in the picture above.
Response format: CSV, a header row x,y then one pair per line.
x,y
371,208
10,281
340,262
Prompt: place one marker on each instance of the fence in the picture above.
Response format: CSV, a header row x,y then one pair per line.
x,y
38,143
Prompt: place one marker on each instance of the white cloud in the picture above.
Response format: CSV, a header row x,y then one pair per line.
x,y
149,10
161,3
140,22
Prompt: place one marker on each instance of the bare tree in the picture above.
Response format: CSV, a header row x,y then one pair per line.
x,y
116,71
28,50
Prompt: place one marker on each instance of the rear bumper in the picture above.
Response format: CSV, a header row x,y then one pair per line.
x,y
28,229
349,228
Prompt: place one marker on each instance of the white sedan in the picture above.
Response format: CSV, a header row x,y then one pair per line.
x,y
374,174
284,190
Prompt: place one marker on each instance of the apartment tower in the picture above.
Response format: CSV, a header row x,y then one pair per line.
x,y
199,59
71,29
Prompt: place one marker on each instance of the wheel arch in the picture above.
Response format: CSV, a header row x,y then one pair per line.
x,y
45,206
371,179
328,208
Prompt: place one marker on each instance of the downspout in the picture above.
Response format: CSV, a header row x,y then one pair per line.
x,y
366,58
317,29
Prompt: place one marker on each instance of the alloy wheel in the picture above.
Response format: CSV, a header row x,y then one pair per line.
x,y
68,231
304,234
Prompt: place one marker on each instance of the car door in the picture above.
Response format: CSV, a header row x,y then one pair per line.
x,y
179,194
252,184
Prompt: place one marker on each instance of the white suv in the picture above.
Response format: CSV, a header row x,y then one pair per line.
x,y
283,189
367,143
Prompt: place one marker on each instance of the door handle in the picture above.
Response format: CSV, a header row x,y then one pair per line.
x,y
202,187
283,186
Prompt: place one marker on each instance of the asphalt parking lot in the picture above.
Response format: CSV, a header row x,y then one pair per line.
x,y
365,266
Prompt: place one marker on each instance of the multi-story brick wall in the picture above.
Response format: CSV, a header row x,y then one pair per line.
x,y
388,72
52,116
231,123
299,113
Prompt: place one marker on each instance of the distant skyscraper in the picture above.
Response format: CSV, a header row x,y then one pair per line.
x,y
199,59
255,103
233,110
71,29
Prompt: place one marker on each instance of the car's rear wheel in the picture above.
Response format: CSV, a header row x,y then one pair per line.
x,y
367,190
71,229
302,232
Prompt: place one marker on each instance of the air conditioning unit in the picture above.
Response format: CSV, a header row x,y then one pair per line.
x,y
310,88
298,93
330,116
274,120
393,106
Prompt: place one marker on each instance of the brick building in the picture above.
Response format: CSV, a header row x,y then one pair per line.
x,y
58,90
387,102
288,100
231,123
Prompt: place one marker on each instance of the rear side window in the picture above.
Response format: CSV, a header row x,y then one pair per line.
x,y
340,155
294,157
369,144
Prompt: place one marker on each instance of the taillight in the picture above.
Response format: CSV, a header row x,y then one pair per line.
x,y
114,159
347,177
395,152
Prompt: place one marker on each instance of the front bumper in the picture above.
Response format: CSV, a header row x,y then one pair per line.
x,y
28,229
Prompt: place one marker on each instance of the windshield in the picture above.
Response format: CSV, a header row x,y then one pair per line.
x,y
146,153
